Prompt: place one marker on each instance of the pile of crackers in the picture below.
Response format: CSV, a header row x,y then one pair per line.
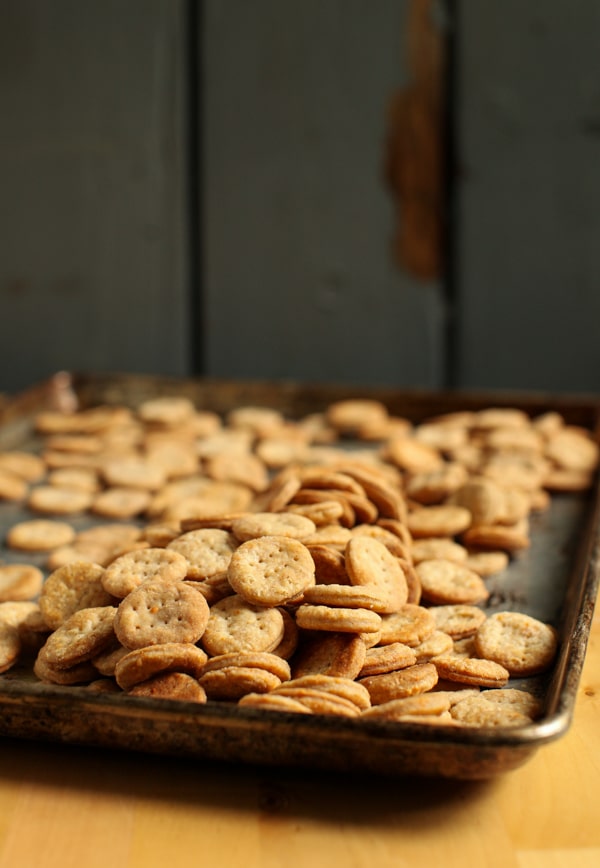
x,y
336,564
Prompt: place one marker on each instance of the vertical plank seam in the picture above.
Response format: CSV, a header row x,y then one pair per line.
x,y
194,159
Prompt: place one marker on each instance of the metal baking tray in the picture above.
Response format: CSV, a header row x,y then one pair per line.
x,y
555,580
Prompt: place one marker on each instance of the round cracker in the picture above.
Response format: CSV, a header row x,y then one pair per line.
x,y
471,671
370,562
143,663
39,535
522,644
74,586
20,582
271,570
413,680
178,686
335,654
445,582
82,636
207,551
129,570
235,625
337,619
159,611
288,524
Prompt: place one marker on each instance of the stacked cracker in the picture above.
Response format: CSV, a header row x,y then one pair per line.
x,y
259,561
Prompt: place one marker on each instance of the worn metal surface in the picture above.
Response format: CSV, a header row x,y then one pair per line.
x,y
556,580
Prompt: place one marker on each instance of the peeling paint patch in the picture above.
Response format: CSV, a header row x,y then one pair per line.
x,y
414,156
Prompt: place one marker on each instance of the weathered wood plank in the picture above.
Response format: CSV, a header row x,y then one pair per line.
x,y
299,274
92,212
529,223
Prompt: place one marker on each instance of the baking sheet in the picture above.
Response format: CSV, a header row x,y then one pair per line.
x,y
556,580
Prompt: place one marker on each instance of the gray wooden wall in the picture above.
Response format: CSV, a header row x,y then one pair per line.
x,y
93,257
528,99
298,273
282,266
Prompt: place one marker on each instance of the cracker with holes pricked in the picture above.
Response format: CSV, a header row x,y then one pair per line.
x,y
522,644
158,611
74,586
207,551
446,582
82,636
235,625
129,570
271,570
369,562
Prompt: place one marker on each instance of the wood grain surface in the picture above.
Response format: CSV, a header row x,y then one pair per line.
x,y
62,807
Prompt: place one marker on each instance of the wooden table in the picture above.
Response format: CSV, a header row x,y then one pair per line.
x,y
63,807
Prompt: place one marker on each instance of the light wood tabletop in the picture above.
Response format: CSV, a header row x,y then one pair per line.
x,y
63,806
